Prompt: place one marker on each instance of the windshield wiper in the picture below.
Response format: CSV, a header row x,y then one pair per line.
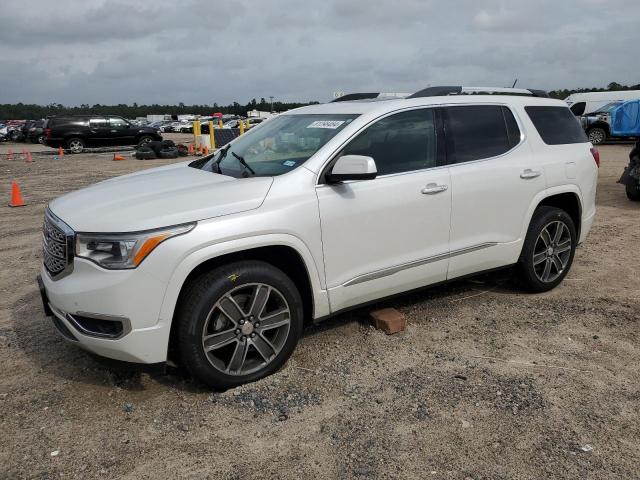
x,y
243,163
223,153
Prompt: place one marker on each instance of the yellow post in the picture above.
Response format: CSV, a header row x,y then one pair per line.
x,y
195,132
220,122
241,125
212,137
247,125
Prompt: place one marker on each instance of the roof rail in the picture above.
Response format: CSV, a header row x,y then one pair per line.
x,y
459,90
369,96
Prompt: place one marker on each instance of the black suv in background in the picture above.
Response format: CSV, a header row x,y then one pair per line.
x,y
77,132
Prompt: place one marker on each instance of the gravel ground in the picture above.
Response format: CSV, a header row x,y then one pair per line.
x,y
485,383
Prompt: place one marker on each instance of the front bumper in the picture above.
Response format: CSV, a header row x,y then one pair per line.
x,y
129,297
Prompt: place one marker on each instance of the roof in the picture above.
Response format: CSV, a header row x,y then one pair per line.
x,y
361,107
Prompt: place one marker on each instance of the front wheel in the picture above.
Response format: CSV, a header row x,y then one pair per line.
x,y
238,323
145,139
597,136
548,249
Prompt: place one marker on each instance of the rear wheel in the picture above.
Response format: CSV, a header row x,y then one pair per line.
x,y
238,323
597,136
75,145
548,249
633,192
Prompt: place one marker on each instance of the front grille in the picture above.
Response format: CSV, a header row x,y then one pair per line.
x,y
57,246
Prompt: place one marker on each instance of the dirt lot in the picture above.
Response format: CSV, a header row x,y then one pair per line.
x,y
486,383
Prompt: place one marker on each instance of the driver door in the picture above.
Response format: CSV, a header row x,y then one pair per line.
x,y
390,234
121,132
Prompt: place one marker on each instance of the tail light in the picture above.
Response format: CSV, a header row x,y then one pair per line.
x,y
47,132
596,156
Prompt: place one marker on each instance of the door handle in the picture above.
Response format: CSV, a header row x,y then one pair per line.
x,y
433,188
528,173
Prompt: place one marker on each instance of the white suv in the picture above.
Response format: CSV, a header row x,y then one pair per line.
x,y
221,260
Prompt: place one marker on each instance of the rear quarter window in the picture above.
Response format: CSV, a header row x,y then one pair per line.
x,y
556,125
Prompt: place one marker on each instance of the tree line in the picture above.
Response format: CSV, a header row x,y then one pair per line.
x,y
31,111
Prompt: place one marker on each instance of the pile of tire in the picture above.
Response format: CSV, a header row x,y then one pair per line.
x,y
158,149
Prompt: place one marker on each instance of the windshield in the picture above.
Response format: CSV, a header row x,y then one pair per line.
x,y
277,146
608,107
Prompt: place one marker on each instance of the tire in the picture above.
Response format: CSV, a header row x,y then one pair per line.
x,y
168,153
200,315
597,136
541,252
145,153
143,140
633,192
41,139
75,145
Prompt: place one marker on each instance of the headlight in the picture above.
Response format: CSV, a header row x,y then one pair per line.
x,y
124,250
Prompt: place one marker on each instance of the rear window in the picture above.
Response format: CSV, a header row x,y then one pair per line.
x,y
475,132
556,125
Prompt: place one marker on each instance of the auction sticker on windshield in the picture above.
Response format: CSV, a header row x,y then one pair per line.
x,y
331,124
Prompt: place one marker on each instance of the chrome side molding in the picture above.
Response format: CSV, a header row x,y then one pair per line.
x,y
385,272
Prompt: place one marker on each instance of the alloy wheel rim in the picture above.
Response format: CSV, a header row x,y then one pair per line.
x,y
596,137
552,251
246,329
75,146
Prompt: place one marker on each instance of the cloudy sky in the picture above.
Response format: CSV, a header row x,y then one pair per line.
x,y
170,51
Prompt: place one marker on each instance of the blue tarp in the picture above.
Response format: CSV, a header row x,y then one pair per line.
x,y
625,119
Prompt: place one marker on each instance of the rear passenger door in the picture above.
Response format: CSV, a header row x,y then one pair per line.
x,y
99,131
494,179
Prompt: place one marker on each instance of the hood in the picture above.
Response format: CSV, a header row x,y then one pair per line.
x,y
158,197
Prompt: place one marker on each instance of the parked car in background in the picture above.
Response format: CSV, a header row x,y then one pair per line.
x,y
616,120
222,260
33,131
588,102
77,132
631,176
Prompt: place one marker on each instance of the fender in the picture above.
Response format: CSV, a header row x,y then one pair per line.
x,y
182,271
549,192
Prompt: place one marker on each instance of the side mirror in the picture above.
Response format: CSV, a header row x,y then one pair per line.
x,y
352,167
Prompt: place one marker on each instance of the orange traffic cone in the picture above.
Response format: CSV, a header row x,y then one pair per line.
x,y
29,158
117,157
206,150
10,155
191,150
60,152
16,196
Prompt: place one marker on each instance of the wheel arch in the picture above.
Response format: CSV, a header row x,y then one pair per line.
x,y
603,125
283,253
567,198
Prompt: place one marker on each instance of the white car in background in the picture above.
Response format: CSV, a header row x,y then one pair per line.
x,y
222,260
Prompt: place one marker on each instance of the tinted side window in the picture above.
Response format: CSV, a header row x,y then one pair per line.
x,y
476,131
398,143
556,125
513,131
116,122
578,108
97,122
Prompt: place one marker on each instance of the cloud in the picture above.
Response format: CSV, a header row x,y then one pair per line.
x,y
116,51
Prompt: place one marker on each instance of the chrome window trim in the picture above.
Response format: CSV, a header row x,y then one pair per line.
x,y
385,272
70,245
